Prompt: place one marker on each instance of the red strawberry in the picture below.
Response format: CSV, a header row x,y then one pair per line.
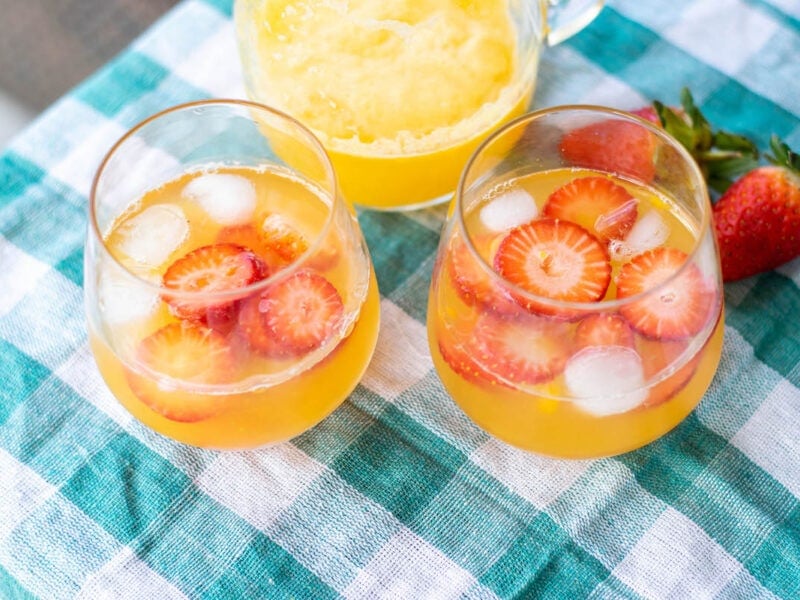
x,y
191,355
614,146
680,308
554,259
457,352
474,283
525,350
603,329
658,356
648,113
211,270
293,316
757,220
597,204
249,237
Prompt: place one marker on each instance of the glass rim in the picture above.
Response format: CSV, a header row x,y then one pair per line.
x,y
584,308
222,295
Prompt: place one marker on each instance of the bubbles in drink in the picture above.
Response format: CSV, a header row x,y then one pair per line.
x,y
606,380
153,235
649,232
508,210
228,199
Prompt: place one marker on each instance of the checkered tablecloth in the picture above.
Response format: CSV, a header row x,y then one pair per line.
x,y
397,494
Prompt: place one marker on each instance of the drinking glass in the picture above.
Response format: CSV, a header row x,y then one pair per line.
x,y
230,298
400,93
576,304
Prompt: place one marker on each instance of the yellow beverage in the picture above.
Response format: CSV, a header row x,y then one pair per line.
x,y
571,408
219,369
400,93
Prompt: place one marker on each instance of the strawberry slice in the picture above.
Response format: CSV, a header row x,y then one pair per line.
x,y
603,329
456,351
682,305
597,204
211,270
474,284
283,238
659,355
248,237
613,146
554,259
525,350
190,355
293,316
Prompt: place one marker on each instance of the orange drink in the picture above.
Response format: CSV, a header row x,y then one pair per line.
x,y
231,302
576,304
400,93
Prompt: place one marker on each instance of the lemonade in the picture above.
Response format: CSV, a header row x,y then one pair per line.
x,y
400,92
592,322
233,310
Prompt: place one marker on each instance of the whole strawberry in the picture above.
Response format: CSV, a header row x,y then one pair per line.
x,y
757,220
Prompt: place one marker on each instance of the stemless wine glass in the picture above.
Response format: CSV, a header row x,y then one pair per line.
x,y
576,304
230,297
400,93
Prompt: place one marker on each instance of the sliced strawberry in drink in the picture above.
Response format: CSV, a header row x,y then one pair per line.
x,y
248,237
207,271
293,316
680,307
474,283
554,259
189,355
660,355
457,352
597,204
603,329
529,349
613,146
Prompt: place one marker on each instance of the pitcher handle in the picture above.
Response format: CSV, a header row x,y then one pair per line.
x,y
565,18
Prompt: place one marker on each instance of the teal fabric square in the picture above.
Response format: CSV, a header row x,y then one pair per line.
x,y
775,564
224,6
20,376
265,570
121,82
125,487
543,562
761,319
193,540
399,464
16,174
49,432
12,589
397,245
328,439
488,515
71,266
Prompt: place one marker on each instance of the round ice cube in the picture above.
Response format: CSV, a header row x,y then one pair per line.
x,y
649,232
154,234
228,199
606,380
123,299
508,210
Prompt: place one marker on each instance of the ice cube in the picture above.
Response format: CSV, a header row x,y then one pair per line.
x,y
511,209
649,232
606,380
228,199
154,234
124,299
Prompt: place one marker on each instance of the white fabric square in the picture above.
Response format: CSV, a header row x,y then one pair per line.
x,y
81,374
790,7
402,357
20,273
769,437
214,66
409,567
125,576
537,479
260,485
21,491
739,32
674,559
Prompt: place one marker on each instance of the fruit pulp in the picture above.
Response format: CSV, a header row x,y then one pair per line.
x,y
399,93
545,416
254,399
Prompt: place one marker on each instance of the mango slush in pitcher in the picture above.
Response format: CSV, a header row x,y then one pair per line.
x,y
400,93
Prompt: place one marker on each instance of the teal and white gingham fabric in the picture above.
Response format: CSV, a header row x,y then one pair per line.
x,y
396,495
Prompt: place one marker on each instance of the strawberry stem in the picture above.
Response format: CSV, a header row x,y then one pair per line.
x,y
782,155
